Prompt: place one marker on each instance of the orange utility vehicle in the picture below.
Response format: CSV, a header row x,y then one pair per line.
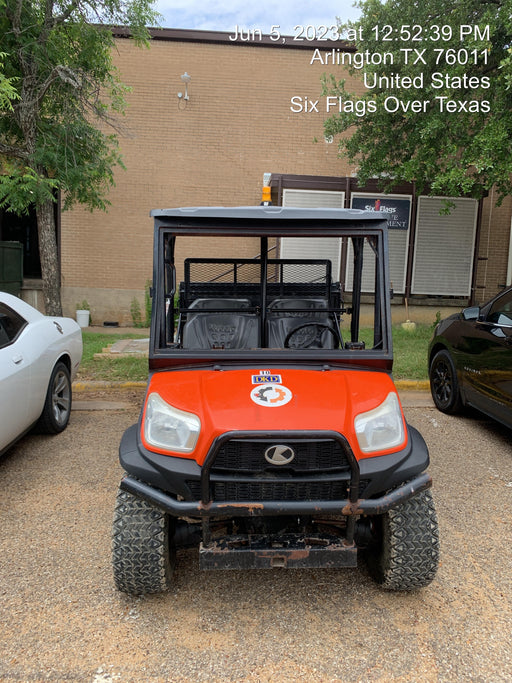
x,y
272,434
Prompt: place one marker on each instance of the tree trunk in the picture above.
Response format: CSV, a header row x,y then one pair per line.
x,y
49,259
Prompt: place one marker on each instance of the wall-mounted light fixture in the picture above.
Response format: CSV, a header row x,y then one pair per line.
x,y
186,78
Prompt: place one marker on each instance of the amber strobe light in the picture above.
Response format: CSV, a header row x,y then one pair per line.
x,y
266,199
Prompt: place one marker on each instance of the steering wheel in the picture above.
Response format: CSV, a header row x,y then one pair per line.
x,y
307,340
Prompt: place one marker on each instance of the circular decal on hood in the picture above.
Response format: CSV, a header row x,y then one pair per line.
x,y
271,395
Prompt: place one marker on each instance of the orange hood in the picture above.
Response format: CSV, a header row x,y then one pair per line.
x,y
271,400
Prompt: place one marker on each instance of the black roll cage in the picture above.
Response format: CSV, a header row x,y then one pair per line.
x,y
267,223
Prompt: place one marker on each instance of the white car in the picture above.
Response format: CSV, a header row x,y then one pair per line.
x,y
39,357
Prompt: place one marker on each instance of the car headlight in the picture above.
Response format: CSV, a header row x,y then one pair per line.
x,y
381,428
168,427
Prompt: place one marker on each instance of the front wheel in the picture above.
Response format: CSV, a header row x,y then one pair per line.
x,y
57,406
444,384
142,556
405,552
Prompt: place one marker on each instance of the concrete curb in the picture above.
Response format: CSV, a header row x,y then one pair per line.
x,y
412,385
103,385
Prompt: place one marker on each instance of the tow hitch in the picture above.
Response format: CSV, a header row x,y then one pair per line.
x,y
293,551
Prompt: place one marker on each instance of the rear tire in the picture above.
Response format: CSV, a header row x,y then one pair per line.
x,y
405,555
57,406
444,384
142,556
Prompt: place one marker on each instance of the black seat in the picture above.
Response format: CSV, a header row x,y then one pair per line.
x,y
284,315
218,303
208,327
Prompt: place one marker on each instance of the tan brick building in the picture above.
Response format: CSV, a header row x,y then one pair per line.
x,y
210,150
214,148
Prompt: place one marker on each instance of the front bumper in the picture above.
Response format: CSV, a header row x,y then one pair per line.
x,y
179,486
346,507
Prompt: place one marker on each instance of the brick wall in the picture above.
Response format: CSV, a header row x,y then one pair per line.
x,y
212,150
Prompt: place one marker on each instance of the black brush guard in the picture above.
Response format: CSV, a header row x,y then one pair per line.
x,y
253,551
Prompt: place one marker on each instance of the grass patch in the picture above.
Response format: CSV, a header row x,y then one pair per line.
x,y
132,369
410,350
410,356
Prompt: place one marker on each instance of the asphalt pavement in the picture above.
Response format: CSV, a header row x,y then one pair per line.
x,y
61,618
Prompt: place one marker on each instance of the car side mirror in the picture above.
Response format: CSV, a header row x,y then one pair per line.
x,y
471,313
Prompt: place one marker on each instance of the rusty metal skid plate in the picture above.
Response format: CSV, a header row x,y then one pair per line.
x,y
288,550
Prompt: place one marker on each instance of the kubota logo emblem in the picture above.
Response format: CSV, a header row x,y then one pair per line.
x,y
271,395
279,455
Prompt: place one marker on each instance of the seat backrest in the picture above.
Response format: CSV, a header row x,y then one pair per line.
x,y
291,308
219,330
284,315
219,303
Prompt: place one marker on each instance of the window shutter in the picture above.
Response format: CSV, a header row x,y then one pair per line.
x,y
324,247
444,247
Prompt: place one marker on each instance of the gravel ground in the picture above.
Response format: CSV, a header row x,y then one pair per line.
x,y
62,619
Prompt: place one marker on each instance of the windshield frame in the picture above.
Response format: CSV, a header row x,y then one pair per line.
x,y
265,223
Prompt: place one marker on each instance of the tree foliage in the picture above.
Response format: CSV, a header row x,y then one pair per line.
x,y
61,95
452,149
7,90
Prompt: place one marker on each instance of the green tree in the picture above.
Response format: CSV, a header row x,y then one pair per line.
x,y
461,144
57,129
7,90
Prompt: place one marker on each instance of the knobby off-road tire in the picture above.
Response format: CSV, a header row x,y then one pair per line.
x,y
142,554
406,553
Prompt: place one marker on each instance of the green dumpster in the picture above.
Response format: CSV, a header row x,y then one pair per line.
x,y
11,267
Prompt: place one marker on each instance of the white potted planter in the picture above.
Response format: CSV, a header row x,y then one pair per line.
x,y
82,317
